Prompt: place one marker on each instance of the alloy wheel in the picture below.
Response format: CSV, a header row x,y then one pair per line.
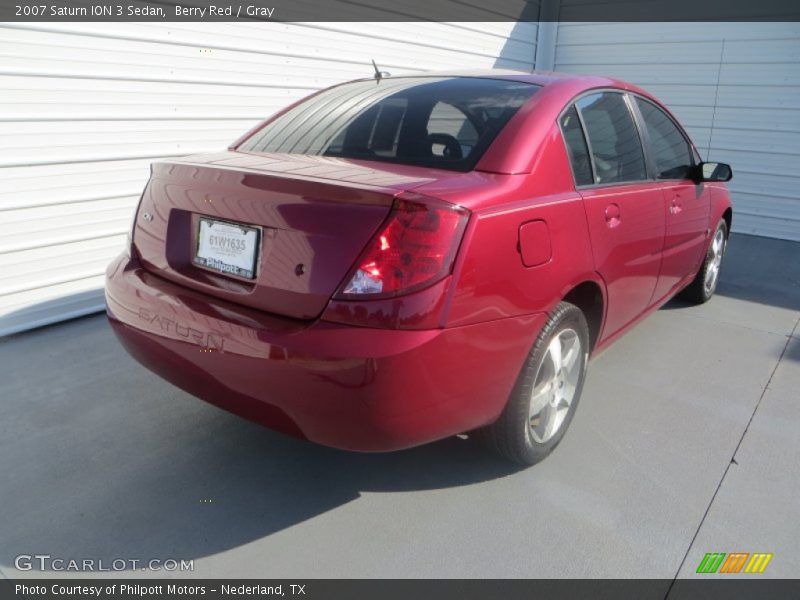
x,y
555,385
715,261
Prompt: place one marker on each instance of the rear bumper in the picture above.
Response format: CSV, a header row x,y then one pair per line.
x,y
349,387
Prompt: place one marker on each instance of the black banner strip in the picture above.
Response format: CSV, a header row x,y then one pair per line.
x,y
398,10
730,588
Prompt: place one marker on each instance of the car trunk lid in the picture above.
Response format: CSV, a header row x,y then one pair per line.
x,y
314,216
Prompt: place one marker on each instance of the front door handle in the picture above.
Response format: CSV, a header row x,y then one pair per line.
x,y
675,206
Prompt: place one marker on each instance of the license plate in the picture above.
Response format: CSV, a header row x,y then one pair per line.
x,y
227,247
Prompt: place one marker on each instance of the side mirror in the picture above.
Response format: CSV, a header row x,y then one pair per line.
x,y
713,171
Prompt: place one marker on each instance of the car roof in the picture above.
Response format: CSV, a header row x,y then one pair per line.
x,y
570,83
538,77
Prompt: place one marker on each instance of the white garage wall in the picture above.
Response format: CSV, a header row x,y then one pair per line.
x,y
84,108
755,108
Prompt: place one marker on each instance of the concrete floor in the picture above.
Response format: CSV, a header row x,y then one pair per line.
x,y
686,442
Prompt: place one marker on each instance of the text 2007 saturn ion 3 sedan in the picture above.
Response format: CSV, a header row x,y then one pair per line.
x,y
390,262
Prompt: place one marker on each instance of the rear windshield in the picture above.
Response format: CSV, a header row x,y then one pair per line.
x,y
445,123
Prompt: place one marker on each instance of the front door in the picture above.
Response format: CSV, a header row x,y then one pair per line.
x,y
686,208
686,203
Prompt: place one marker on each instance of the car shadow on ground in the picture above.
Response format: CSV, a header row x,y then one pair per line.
x,y
760,270
211,483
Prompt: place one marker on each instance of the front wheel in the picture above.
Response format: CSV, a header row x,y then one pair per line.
x,y
546,394
703,285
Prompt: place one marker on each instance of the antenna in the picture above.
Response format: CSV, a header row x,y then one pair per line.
x,y
716,99
378,73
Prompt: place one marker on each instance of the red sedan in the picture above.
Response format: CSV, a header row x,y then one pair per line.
x,y
397,260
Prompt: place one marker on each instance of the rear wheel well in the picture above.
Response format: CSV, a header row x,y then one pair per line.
x,y
589,298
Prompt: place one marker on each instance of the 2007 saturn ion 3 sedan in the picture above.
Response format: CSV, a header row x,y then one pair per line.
x,y
397,260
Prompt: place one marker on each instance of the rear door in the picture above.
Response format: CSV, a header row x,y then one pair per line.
x,y
624,208
686,203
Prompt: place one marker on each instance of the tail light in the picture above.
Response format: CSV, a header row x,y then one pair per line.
x,y
415,248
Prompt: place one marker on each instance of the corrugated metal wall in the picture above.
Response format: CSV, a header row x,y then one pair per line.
x,y
743,77
84,108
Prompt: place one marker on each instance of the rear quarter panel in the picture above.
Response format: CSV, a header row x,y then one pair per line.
x,y
491,280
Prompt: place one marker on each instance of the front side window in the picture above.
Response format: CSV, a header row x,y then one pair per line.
x,y
671,151
614,141
440,122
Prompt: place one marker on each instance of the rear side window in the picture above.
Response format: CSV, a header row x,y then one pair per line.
x,y
614,141
671,151
440,122
576,147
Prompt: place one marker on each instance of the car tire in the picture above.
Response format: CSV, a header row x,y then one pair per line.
x,y
702,287
544,398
